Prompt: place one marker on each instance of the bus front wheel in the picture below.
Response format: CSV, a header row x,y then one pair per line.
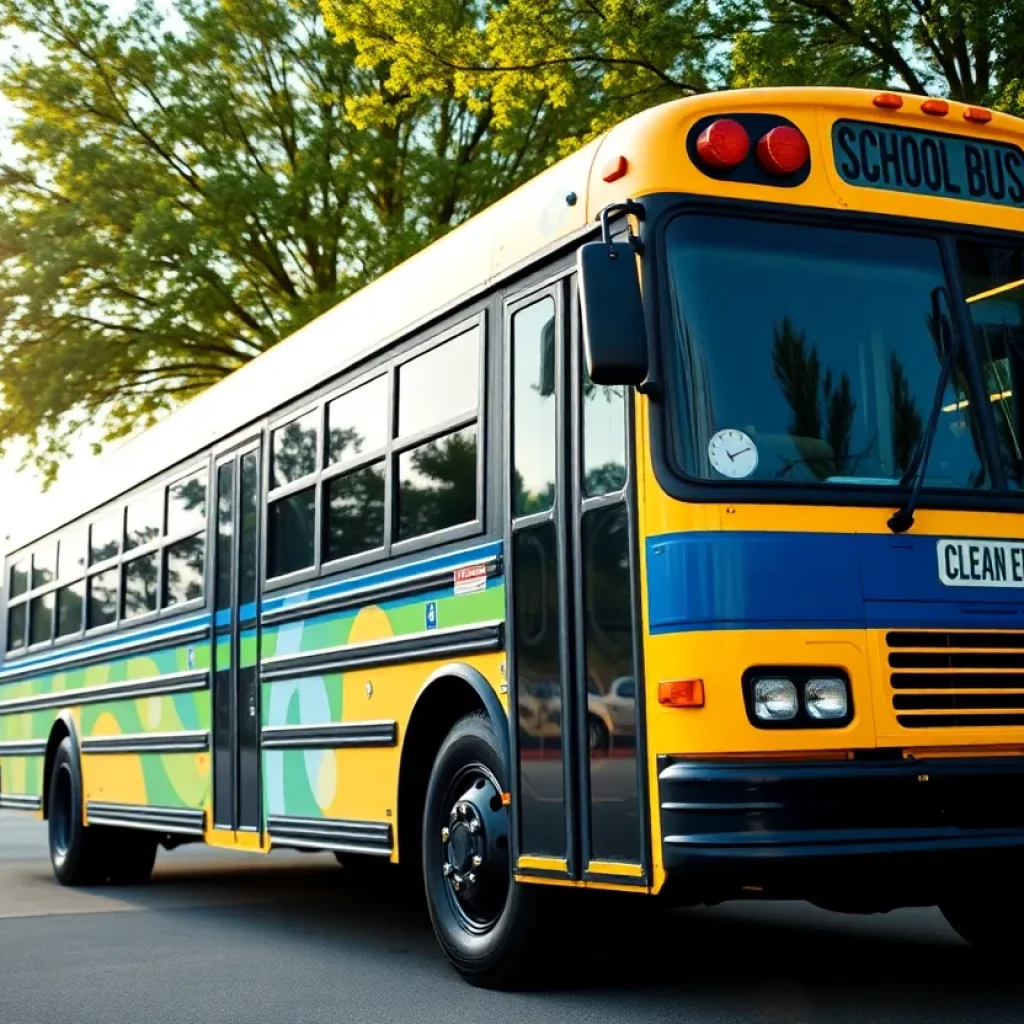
x,y
486,924
985,921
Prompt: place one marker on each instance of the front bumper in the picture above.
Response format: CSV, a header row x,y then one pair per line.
x,y
897,832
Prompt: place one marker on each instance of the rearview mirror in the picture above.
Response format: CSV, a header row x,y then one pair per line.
x,y
614,330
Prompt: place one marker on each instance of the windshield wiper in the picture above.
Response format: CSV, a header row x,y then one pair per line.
x,y
903,518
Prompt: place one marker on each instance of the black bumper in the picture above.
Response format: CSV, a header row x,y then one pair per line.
x,y
804,829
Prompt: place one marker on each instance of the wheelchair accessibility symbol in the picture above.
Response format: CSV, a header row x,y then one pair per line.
x,y
431,615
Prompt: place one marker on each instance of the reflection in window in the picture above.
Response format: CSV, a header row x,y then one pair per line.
x,y
440,384
533,407
140,576
357,422
70,605
105,538
248,501
41,619
437,485
608,653
291,533
774,338
604,438
994,286
19,577
44,565
17,621
186,505
355,512
102,607
225,533
71,554
293,449
144,520
183,571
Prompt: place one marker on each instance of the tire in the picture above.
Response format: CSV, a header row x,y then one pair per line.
x,y
75,851
597,734
489,927
129,855
985,922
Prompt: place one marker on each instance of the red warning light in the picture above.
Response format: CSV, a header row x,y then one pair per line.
x,y
783,150
724,144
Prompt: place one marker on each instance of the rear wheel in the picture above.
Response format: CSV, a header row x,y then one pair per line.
x,y
75,851
986,921
487,925
129,855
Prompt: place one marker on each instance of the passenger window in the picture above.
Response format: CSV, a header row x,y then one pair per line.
x,y
140,575
17,621
143,520
294,449
533,402
102,609
357,422
186,506
41,619
70,605
19,577
71,554
354,505
183,571
291,533
105,538
44,565
440,384
437,485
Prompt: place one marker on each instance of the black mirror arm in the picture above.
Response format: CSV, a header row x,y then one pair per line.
x,y
628,207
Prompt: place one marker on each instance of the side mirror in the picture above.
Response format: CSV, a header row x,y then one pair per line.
x,y
614,330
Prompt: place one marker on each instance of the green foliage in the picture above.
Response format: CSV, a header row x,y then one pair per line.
x,y
187,192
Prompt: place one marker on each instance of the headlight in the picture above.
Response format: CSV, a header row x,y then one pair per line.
x,y
775,700
826,699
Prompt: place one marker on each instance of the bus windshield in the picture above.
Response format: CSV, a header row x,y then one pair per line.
x,y
806,354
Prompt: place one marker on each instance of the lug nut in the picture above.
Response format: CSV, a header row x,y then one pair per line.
x,y
477,860
474,826
446,870
470,879
445,835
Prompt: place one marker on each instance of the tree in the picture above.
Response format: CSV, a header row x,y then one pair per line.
x,y
188,192
601,60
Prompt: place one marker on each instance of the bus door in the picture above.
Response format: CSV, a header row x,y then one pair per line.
x,y
572,611
236,704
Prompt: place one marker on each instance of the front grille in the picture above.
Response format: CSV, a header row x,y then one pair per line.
x,y
956,679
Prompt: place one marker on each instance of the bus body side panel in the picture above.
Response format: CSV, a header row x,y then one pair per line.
x,y
146,745
339,687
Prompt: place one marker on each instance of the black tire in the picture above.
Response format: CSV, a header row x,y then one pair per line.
x,y
986,922
75,851
128,855
597,734
489,927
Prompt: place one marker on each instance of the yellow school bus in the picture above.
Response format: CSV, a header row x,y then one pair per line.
x,y
657,531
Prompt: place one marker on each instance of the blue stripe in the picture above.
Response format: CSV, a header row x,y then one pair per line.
x,y
466,556
107,644
702,581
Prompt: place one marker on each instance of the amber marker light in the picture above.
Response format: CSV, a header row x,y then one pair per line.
x,y
888,101
615,169
979,115
681,693
937,108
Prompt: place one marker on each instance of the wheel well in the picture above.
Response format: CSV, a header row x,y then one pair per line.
x,y
441,705
58,734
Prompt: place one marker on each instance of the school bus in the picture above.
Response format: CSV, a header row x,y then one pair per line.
x,y
658,530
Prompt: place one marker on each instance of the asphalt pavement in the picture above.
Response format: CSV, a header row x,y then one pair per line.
x,y
220,938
